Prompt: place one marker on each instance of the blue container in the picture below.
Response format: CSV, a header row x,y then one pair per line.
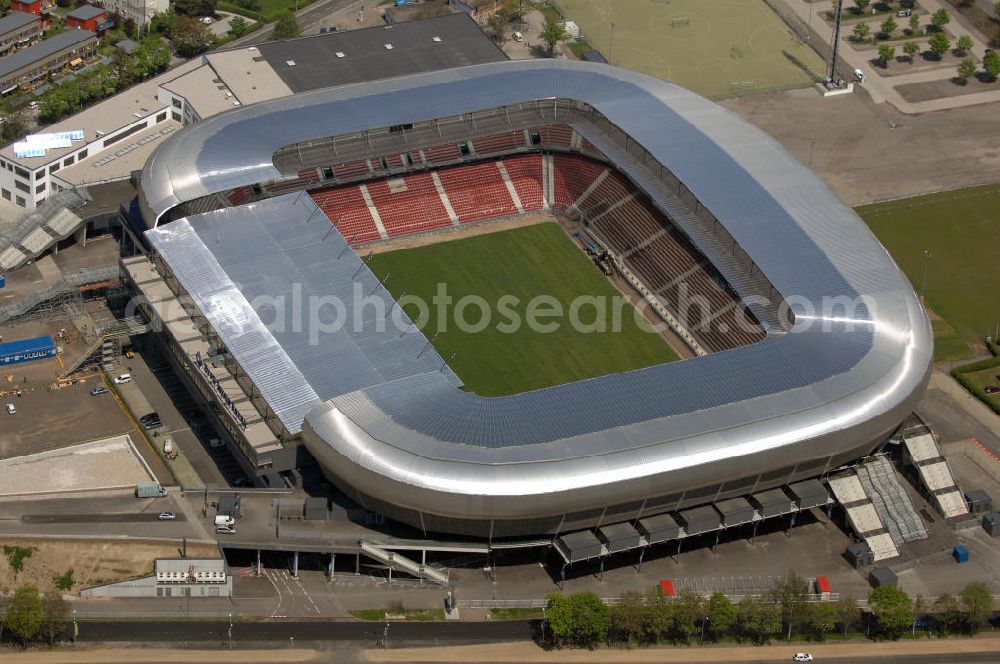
x,y
26,350
961,554
3,282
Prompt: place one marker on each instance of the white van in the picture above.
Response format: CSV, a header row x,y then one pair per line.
x,y
10,409
860,75
518,36
122,379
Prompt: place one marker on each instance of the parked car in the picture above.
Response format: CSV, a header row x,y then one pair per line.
x,y
99,390
149,416
10,409
216,442
802,657
167,516
151,424
903,13
123,378
225,530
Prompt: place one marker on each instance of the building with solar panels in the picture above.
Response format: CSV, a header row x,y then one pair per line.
x,y
672,186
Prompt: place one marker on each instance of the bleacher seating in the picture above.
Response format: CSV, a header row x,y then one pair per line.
x,y
498,143
351,169
556,134
525,174
572,175
239,195
442,153
416,209
477,192
346,208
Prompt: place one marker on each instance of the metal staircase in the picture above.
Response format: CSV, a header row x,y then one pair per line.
x,y
891,501
396,561
70,283
103,349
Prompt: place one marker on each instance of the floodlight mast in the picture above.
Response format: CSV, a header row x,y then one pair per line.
x,y
831,69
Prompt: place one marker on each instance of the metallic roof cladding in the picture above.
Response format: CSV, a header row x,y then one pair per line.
x,y
830,386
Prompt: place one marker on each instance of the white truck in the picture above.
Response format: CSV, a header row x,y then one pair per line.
x,y
224,520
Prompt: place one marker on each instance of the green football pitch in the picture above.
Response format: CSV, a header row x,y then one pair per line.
x,y
540,267
718,48
960,230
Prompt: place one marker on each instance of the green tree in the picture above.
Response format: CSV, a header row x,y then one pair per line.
x,y
721,615
559,618
286,27
591,619
14,125
687,615
948,612
911,48
759,620
553,32
991,63
659,615
862,5
893,609
914,24
24,614
164,22
889,26
939,44
966,70
823,619
847,614
628,617
190,36
963,44
54,614
886,53
861,31
978,603
940,18
238,27
791,595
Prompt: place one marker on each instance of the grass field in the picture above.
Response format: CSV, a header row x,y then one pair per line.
x,y
725,45
961,230
524,263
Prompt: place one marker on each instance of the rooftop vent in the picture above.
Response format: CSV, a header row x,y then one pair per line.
x,y
341,54
290,63
388,47
436,39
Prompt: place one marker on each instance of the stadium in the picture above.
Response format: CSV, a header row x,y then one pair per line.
x,y
809,351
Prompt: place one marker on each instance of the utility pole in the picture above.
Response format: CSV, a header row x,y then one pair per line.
x,y
611,48
923,280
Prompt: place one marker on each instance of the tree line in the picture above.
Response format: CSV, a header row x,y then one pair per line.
x,y
645,618
31,617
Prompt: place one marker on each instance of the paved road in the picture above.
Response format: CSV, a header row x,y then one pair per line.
x,y
122,517
308,17
365,633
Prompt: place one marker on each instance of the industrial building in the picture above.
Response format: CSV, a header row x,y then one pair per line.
x,y
811,388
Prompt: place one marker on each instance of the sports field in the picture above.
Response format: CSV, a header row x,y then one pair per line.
x,y
961,230
523,263
725,48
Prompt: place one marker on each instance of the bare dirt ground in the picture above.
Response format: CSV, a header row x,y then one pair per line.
x,y
915,92
859,154
93,561
529,652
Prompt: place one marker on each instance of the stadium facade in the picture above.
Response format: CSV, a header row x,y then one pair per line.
x,y
844,357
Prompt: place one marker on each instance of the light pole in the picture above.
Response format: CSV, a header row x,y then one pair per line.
x,y
611,48
230,631
923,280
76,628
812,144
385,636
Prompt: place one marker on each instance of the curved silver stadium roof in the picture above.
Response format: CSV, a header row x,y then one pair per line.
x,y
844,375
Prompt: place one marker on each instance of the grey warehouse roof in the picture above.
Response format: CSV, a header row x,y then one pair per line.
x,y
15,62
279,261
417,46
840,378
